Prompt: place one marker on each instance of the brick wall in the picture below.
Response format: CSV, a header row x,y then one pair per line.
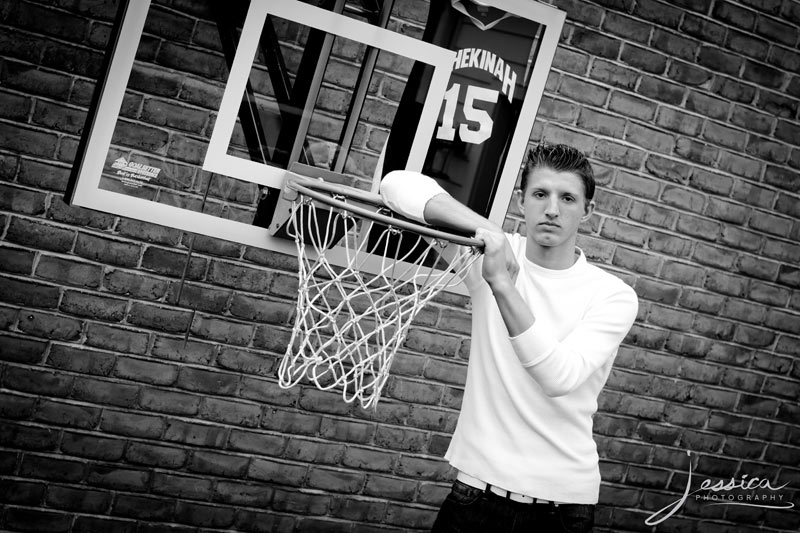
x,y
690,111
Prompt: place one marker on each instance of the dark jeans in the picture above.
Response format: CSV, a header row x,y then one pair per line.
x,y
470,510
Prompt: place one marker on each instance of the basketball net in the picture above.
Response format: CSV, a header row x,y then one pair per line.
x,y
349,321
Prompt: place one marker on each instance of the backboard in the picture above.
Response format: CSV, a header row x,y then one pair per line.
x,y
203,109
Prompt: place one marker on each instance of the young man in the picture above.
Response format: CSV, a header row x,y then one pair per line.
x,y
546,326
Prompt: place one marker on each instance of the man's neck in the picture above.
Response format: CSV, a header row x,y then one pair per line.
x,y
552,258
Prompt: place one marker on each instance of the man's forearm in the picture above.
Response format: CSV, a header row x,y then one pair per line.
x,y
516,313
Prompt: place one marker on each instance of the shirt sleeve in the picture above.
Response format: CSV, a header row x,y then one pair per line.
x,y
407,193
561,366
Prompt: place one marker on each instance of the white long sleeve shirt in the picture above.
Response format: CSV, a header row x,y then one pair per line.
x,y
526,417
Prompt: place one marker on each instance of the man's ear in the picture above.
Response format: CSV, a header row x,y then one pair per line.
x,y
589,210
519,197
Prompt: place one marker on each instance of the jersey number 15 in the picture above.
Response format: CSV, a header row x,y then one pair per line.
x,y
447,131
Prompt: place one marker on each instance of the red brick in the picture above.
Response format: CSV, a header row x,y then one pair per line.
x,y
16,261
51,468
390,487
76,359
698,152
38,520
652,215
28,438
89,524
239,277
16,407
643,58
201,297
777,104
155,317
423,468
137,285
445,371
782,454
260,309
641,187
757,405
662,91
299,502
105,392
631,106
229,190
195,434
268,392
38,381
171,263
81,500
92,305
283,473
700,442
626,27
316,400
734,90
645,337
60,413
184,487
583,92
116,338
24,140
432,343
145,371
410,517
148,232
143,507
107,251
92,446
224,331
22,201
763,75
229,412
359,509
219,464
50,326
768,294
685,416
789,276
347,431
263,522
22,492
658,12
40,235
28,294
131,424
756,267
69,272
118,478
251,495
335,480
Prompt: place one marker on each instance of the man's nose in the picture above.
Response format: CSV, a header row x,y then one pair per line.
x,y
552,207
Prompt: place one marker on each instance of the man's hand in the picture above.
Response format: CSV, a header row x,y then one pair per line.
x,y
499,264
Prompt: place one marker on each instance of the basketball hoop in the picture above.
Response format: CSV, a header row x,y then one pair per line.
x,y
351,320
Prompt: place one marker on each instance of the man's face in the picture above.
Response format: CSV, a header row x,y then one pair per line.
x,y
554,204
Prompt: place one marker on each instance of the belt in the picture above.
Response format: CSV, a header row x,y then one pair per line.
x,y
513,496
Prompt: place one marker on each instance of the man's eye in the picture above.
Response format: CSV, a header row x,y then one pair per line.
x,y
569,199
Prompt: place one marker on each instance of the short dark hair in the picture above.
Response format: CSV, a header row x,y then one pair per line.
x,y
562,158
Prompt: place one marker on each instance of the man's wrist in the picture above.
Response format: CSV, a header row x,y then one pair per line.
x,y
500,284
